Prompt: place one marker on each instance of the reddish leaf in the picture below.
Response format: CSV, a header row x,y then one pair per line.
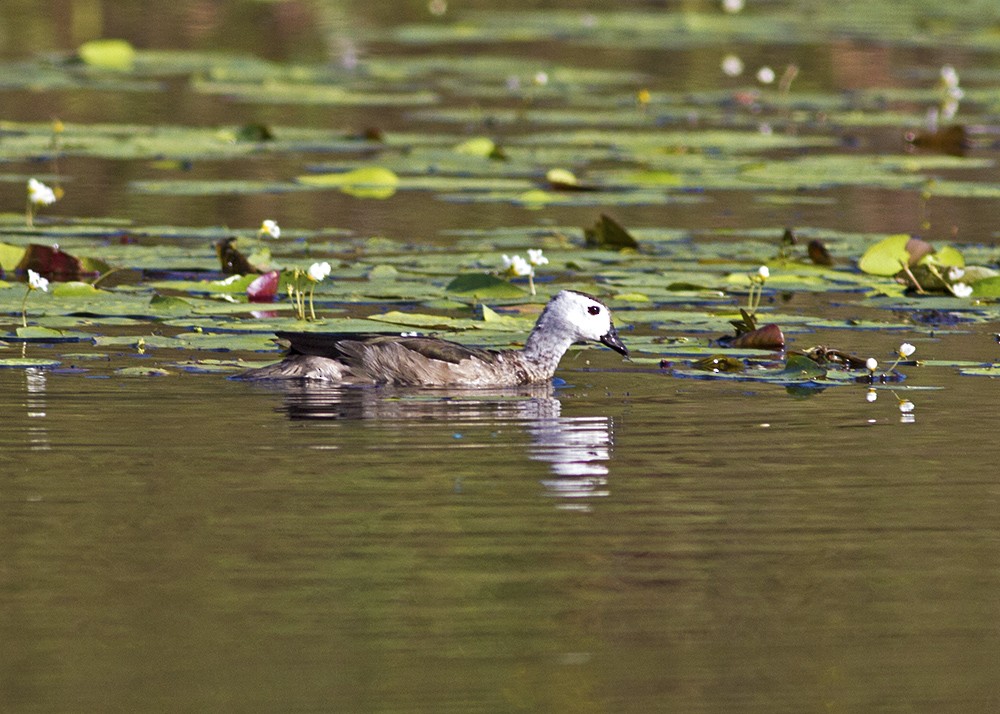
x,y
52,263
264,288
768,337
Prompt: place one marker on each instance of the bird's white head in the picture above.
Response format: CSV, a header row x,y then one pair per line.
x,y
580,318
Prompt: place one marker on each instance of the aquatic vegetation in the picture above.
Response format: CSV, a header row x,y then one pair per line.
x,y
455,153
38,195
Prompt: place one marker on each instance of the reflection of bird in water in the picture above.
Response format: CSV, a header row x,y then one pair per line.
x,y
345,358
577,449
320,400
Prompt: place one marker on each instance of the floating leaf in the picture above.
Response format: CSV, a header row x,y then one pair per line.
x,y
142,372
55,263
369,182
768,337
25,362
947,257
481,147
887,257
483,286
39,333
108,54
609,233
10,256
990,287
802,367
719,363
565,180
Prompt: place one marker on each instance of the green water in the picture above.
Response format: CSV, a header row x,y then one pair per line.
x,y
628,541
192,543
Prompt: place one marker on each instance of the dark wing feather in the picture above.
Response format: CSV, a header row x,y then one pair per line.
x,y
337,345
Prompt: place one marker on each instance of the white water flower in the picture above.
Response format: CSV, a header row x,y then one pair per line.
x,y
871,395
763,272
871,364
517,266
37,282
227,281
906,406
39,194
765,75
732,66
906,349
733,6
535,257
270,228
949,82
541,78
961,290
318,271
956,273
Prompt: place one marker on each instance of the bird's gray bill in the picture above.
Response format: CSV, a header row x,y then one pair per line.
x,y
612,340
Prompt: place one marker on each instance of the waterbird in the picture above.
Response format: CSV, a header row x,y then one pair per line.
x,y
367,358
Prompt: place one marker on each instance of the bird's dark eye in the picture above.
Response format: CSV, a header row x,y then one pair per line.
x,y
594,310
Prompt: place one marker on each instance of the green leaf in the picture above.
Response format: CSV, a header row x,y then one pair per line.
x,y
142,372
108,54
38,333
887,257
947,256
483,286
990,287
10,256
479,146
368,182
23,362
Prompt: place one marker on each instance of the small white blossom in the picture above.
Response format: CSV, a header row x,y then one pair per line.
x,y
270,228
732,66
733,6
956,273
37,282
906,406
961,290
949,78
541,78
871,396
871,364
906,349
763,272
228,281
39,194
518,266
765,75
535,257
437,7
318,271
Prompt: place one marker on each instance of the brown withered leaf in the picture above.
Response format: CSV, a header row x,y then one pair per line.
x,y
818,253
609,233
768,337
232,260
952,140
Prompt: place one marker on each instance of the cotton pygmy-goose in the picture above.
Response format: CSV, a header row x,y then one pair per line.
x,y
360,358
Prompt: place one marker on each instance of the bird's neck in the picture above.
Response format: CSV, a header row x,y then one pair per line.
x,y
543,350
